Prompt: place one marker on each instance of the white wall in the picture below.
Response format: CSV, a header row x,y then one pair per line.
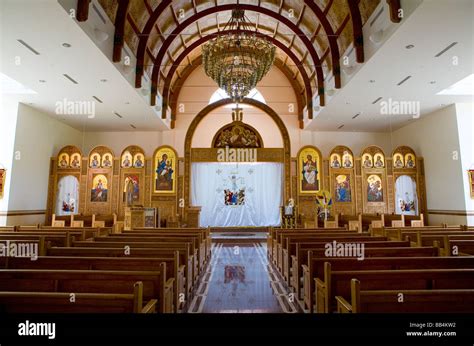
x,y
8,118
435,137
38,137
465,114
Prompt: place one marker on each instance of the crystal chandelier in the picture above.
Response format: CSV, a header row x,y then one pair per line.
x,y
238,60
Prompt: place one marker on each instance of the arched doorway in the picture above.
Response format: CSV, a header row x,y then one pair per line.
x,y
281,154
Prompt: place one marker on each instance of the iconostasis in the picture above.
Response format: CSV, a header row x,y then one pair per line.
x,y
104,182
370,183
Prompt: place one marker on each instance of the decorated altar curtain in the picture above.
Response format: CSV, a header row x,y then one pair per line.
x,y
237,194
67,199
406,200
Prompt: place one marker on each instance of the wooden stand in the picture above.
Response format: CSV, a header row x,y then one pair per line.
x,y
193,215
139,217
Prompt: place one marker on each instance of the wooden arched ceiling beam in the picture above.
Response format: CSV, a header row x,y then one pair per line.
x,y
332,38
173,103
120,19
358,36
395,8
204,39
143,40
82,12
154,16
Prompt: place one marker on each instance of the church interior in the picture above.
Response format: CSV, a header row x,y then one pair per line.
x,y
270,156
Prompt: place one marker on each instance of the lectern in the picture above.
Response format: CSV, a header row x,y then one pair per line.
x,y
139,217
193,215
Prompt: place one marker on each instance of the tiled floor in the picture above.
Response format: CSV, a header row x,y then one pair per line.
x,y
239,280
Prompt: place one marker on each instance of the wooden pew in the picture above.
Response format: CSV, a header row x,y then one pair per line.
x,y
87,232
52,302
284,246
184,257
310,273
173,267
463,247
386,263
155,284
164,244
426,301
204,243
337,283
275,235
279,243
301,258
351,222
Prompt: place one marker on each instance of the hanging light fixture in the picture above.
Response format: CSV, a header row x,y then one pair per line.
x,y
238,60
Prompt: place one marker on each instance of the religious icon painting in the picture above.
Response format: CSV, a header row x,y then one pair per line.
x,y
76,161
471,181
63,160
409,161
138,160
309,167
99,188
335,161
3,177
374,188
379,160
107,160
347,161
343,188
94,160
126,160
367,160
398,161
131,189
165,170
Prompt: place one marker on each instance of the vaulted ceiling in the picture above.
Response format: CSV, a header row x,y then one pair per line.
x,y
310,37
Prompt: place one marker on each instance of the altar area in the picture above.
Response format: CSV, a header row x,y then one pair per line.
x,y
237,194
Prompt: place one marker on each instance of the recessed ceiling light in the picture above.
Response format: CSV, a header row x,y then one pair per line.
x,y
372,81
103,80
433,82
42,81
127,103
410,46
66,45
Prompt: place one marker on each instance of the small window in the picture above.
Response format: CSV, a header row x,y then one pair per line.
x,y
220,94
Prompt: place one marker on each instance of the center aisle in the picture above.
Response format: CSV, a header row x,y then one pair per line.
x,y
240,280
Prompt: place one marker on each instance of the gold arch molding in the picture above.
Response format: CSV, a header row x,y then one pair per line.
x,y
208,109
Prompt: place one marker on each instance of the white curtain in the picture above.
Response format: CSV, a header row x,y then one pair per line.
x,y
67,200
237,194
406,200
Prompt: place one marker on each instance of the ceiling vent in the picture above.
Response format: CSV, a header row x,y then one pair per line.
x,y
446,49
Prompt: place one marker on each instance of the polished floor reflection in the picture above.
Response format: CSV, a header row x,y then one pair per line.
x,y
240,280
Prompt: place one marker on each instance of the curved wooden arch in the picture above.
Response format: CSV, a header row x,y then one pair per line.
x,y
197,43
367,150
128,148
120,17
357,34
100,148
208,109
176,89
332,38
212,10
70,148
403,149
